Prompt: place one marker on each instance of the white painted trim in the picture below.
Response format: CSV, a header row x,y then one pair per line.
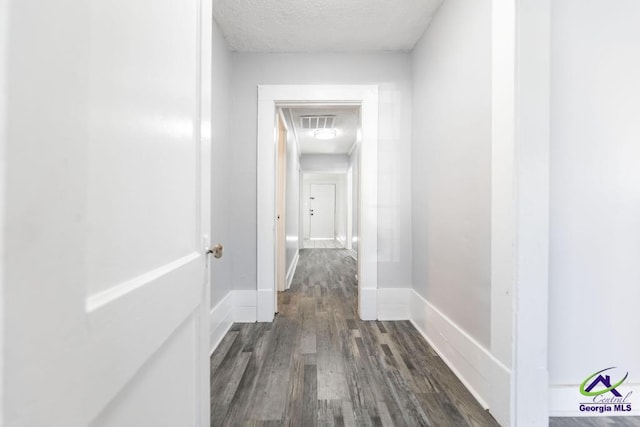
x,y
100,299
481,373
564,401
393,303
221,318
244,306
532,163
520,205
271,96
292,268
503,195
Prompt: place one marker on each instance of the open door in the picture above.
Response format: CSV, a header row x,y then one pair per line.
x,y
281,206
147,299
106,309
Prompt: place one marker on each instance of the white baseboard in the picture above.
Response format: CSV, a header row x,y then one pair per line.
x,y
483,375
244,306
220,320
235,307
393,304
292,268
564,401
342,240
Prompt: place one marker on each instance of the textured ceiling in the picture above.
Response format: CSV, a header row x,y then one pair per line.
x,y
346,125
323,25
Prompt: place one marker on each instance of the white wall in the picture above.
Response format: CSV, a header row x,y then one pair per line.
x,y
292,217
451,165
595,194
4,34
221,177
451,299
392,72
324,162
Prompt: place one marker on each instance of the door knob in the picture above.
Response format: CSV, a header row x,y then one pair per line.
x,y
216,250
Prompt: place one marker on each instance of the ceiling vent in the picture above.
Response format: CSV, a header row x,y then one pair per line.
x,y
317,122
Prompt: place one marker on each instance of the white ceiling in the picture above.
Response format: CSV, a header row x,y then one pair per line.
x,y
346,124
323,25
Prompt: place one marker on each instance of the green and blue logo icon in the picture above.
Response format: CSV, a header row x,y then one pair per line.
x,y
605,380
604,393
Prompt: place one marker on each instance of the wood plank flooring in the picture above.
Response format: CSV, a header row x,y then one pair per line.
x,y
317,364
595,422
322,244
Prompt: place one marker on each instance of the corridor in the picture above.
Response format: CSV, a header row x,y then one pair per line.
x,y
318,364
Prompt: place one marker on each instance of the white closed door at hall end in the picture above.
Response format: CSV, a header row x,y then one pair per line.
x,y
322,211
107,299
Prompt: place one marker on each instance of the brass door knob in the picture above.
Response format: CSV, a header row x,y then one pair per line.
x,y
216,250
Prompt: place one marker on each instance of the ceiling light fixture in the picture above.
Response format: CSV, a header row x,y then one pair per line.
x,y
324,134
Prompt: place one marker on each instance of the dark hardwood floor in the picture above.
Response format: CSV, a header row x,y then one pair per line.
x,y
595,422
318,364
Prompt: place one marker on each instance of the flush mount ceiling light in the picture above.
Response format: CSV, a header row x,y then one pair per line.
x,y
324,134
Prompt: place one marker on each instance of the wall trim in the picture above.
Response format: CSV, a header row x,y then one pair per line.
x,y
221,318
393,303
292,268
564,401
482,374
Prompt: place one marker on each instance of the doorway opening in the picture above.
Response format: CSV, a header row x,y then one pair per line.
x,y
314,208
273,103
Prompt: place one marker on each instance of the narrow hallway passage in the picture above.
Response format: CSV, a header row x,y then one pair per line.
x,y
318,364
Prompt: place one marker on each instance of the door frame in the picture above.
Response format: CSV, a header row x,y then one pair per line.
x,y
270,97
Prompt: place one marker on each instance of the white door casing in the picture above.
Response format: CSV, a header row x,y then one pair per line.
x,y
109,300
269,98
322,211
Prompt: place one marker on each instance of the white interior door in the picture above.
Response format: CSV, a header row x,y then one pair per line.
x,y
105,321
106,313
322,211
147,290
149,160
